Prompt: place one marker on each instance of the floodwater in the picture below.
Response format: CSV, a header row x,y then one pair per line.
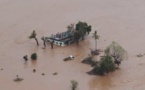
x,y
122,21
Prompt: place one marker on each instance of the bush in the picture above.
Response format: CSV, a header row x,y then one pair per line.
x,y
117,52
90,60
25,58
105,65
74,84
34,56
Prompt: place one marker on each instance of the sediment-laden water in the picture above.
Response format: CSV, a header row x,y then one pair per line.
x,y
115,20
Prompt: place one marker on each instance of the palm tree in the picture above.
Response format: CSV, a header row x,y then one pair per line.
x,y
95,36
43,39
33,35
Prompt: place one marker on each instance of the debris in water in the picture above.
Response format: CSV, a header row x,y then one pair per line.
x,y
71,57
139,55
55,73
18,79
34,70
43,74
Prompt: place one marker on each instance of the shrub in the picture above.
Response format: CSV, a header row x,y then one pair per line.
x,y
90,60
74,84
34,56
117,52
105,65
25,58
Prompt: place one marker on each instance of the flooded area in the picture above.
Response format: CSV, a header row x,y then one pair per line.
x,y
122,21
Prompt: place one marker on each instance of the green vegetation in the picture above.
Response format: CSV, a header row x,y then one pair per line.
x,y
90,60
34,56
116,52
70,27
105,65
74,84
33,36
25,58
83,28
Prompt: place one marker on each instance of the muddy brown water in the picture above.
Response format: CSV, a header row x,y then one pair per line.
x,y
115,20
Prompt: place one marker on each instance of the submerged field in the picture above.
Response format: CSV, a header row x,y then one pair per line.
x,y
115,20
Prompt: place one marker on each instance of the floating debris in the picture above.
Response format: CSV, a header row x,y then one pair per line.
x,y
71,57
139,55
43,74
34,70
55,73
18,79
43,47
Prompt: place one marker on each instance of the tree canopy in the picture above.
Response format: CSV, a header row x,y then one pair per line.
x,y
117,52
83,28
33,35
105,65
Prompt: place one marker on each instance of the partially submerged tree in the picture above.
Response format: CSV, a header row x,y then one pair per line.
x,y
116,52
90,60
95,36
44,41
105,65
33,36
52,42
71,27
34,56
77,37
74,84
25,58
83,28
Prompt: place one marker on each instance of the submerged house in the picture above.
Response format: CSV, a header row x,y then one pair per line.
x,y
62,39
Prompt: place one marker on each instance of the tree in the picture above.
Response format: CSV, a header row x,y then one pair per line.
x,y
77,37
83,28
89,28
74,84
34,56
116,52
25,58
105,65
52,42
70,27
95,36
91,61
44,41
33,35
